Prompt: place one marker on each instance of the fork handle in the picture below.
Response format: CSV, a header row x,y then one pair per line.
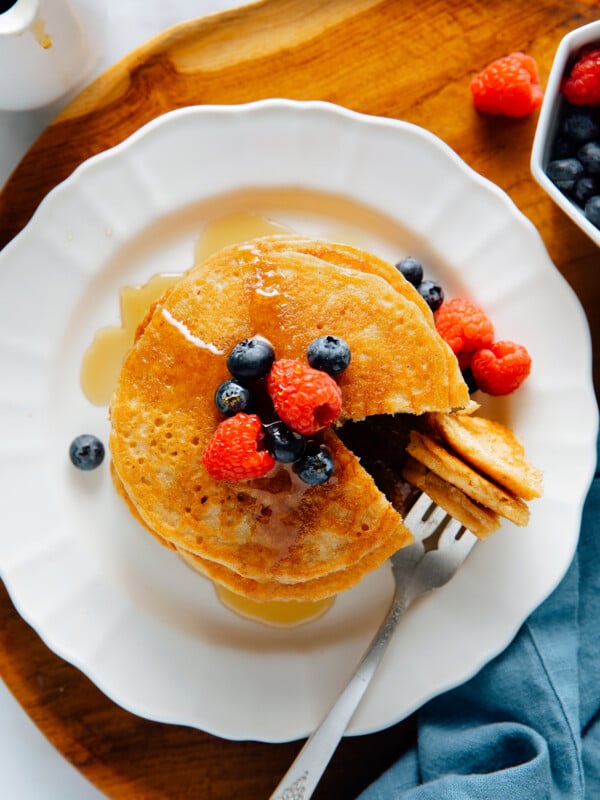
x,y
306,770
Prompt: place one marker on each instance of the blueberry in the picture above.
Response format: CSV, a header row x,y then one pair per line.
x,y
565,172
582,124
589,155
284,444
328,353
316,465
411,269
432,293
231,397
585,188
86,451
251,359
592,210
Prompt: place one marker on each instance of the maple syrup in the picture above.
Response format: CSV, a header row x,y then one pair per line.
x,y
276,613
103,359
233,229
38,29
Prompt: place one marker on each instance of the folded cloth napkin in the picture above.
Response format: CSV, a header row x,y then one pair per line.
x,y
528,724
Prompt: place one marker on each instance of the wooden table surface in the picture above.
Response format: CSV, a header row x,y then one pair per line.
x,y
409,60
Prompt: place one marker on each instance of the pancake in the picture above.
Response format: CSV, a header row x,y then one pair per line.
x,y
274,537
400,363
266,590
475,517
267,529
347,256
452,469
343,255
316,589
491,448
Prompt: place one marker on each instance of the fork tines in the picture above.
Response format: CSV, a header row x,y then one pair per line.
x,y
429,521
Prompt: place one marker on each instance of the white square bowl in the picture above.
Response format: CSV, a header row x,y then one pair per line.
x,y
548,120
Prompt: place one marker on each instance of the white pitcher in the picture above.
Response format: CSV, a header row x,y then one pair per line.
x,y
47,48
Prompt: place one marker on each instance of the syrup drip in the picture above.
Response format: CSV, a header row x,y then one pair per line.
x,y
233,229
38,29
103,359
275,613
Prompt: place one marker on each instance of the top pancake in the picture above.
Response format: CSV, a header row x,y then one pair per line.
x,y
342,255
294,289
345,255
163,412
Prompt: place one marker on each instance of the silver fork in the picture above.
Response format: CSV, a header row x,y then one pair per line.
x,y
441,545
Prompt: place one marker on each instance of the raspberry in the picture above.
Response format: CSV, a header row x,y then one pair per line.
x,y
582,86
509,86
463,325
500,368
306,399
233,451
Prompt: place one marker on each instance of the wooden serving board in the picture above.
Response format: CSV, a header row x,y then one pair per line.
x,y
410,60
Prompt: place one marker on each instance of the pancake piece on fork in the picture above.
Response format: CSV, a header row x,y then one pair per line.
x,y
475,468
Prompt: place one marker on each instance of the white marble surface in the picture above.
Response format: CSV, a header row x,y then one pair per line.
x,y
31,768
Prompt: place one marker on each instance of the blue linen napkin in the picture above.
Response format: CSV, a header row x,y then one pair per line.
x,y
528,724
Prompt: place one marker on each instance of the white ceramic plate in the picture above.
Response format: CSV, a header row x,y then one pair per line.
x,y
100,591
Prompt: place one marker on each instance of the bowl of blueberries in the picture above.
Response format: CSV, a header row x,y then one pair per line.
x,y
565,158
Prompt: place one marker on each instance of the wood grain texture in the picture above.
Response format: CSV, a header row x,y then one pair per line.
x,y
409,60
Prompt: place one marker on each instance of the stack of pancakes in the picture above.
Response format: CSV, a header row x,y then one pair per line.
x,y
274,538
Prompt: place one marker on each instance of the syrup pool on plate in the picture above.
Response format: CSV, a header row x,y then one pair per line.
x,y
103,359
233,229
102,363
277,613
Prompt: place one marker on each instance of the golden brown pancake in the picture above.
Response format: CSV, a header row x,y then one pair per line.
x,y
351,257
343,255
475,517
491,448
400,363
267,529
274,532
315,589
458,473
